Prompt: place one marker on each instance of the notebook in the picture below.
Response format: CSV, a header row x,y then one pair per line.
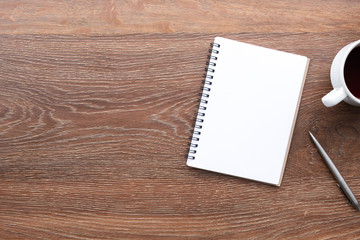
x,y
247,111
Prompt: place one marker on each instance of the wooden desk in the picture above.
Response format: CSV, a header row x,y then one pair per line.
x,y
97,104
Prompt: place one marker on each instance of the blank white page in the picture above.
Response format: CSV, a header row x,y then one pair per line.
x,y
251,112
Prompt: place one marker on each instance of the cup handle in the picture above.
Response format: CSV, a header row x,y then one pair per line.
x,y
334,97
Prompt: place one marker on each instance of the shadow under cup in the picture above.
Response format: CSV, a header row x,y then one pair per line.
x,y
352,72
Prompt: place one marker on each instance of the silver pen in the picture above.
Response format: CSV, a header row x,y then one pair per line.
x,y
340,180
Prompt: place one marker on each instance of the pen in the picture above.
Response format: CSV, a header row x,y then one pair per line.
x,y
340,180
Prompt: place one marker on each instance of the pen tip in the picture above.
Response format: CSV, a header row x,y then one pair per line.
x,y
357,207
313,138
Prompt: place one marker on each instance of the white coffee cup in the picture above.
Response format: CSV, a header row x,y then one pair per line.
x,y
341,91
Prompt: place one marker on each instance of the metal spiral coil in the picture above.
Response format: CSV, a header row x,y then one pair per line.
x,y
204,95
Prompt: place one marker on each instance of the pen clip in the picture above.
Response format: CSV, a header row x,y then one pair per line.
x,y
347,199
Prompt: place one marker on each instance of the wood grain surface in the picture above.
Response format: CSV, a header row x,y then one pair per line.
x,y
173,16
96,115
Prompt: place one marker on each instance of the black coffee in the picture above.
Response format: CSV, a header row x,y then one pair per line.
x,y
352,72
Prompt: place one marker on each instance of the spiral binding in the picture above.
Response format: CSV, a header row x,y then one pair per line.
x,y
204,95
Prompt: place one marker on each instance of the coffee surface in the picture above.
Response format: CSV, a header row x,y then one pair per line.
x,y
352,72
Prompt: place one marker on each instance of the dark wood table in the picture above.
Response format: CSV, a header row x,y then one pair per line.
x,y
97,103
